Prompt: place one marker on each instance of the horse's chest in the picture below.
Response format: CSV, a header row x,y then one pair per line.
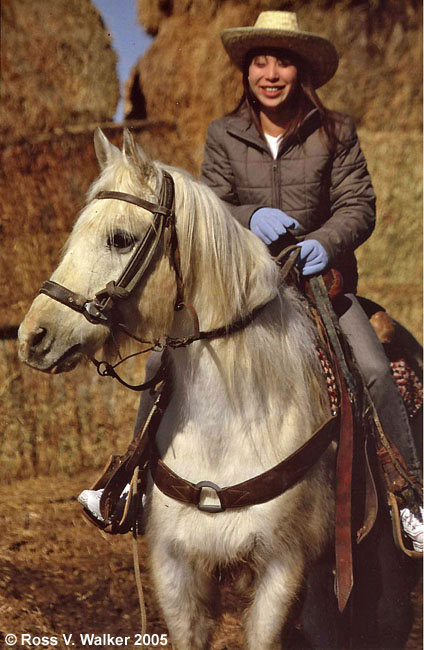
x,y
213,539
211,446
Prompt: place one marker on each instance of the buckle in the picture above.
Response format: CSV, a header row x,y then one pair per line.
x,y
92,312
211,507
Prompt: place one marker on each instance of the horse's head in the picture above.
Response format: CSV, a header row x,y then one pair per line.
x,y
54,338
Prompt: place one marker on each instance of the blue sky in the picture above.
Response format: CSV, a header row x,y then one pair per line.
x,y
129,40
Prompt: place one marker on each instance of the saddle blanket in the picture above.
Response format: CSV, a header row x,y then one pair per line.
x,y
407,381
409,385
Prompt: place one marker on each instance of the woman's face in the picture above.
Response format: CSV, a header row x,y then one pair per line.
x,y
272,79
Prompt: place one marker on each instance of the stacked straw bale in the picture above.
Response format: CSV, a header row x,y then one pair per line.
x,y
58,79
58,66
58,83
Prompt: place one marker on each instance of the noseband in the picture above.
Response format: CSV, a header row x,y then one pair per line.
x,y
99,310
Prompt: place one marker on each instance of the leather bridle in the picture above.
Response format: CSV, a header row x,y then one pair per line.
x,y
100,309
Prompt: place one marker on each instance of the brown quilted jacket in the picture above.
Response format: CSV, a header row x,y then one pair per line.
x,y
330,194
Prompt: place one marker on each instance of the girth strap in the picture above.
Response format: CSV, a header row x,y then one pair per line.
x,y
260,489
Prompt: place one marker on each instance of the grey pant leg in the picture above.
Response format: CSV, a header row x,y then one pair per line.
x,y
376,371
147,398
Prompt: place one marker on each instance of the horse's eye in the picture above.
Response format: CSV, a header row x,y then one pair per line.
x,y
120,241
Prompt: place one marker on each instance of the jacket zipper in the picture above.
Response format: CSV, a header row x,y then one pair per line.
x,y
275,183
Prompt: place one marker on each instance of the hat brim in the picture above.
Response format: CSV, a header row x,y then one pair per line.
x,y
316,50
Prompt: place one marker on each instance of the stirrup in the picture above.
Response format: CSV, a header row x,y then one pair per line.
x,y
124,520
397,528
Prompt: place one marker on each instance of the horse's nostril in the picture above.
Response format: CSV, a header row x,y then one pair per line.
x,y
37,336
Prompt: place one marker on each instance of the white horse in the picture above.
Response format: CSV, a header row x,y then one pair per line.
x,y
241,403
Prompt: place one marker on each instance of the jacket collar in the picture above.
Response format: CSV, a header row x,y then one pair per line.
x,y
241,126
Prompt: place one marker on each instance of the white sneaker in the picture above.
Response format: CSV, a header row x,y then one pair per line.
x,y
413,528
90,499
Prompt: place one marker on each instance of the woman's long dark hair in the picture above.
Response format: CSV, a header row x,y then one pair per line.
x,y
304,99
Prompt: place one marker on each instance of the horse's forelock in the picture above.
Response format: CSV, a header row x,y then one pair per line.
x,y
128,175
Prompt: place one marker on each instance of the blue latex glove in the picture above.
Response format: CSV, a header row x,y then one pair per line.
x,y
313,257
269,223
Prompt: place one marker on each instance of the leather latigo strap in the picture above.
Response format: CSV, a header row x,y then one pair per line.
x,y
261,488
343,532
370,494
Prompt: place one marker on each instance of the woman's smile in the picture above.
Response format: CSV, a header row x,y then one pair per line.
x,y
271,91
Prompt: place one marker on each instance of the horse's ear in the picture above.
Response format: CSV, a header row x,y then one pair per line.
x,y
133,151
104,149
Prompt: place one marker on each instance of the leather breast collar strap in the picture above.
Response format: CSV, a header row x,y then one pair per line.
x,y
273,482
261,488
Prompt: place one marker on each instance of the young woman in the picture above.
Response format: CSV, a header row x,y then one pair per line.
x,y
282,161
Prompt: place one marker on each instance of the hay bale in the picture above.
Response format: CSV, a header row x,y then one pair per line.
x,y
390,262
58,66
43,180
379,81
200,83
153,14
42,186
61,424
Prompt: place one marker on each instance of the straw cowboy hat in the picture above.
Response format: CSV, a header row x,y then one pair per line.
x,y
280,29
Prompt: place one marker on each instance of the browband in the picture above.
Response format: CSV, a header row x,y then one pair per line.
x,y
142,203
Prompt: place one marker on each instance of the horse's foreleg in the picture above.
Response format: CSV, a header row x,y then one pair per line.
x,y
277,585
188,598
